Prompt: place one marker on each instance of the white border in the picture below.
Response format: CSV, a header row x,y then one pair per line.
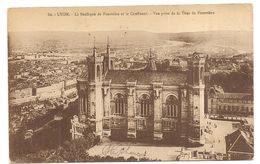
x,y
5,4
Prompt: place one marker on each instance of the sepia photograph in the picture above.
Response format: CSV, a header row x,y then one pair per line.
x,y
131,83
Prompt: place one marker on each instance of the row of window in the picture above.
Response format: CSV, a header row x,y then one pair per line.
x,y
169,124
247,101
145,103
172,110
142,124
229,108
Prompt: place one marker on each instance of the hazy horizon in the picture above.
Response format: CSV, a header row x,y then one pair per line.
x,y
230,42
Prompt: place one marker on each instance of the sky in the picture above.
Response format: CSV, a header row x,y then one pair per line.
x,y
219,17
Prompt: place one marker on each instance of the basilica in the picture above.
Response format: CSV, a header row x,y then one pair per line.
x,y
143,104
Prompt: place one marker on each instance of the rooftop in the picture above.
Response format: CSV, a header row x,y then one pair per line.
x,y
240,141
146,77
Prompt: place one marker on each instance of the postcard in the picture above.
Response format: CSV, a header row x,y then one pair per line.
x,y
131,83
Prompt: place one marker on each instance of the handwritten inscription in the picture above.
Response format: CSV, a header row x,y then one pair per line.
x,y
119,150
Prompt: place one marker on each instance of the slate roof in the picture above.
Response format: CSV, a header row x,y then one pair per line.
x,y
146,77
239,141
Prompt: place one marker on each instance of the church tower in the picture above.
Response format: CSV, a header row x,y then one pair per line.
x,y
96,90
111,57
196,89
108,46
83,93
89,86
98,63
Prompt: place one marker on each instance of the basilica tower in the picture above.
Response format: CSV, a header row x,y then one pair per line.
x,y
196,87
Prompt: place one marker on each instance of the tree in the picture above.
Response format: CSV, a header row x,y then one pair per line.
x,y
89,136
233,82
75,151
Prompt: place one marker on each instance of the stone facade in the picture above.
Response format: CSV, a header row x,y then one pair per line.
x,y
230,104
143,104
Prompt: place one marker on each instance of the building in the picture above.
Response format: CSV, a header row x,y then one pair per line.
x,y
178,64
142,104
239,145
232,104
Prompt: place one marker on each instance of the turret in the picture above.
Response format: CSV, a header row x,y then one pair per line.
x,y
196,64
94,48
110,57
83,90
108,46
196,89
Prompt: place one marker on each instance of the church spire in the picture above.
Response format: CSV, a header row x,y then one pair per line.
x,y
108,41
94,42
150,55
108,46
94,48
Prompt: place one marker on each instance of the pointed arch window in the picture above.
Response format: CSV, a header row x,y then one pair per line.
x,y
145,105
120,104
98,71
171,106
201,73
82,101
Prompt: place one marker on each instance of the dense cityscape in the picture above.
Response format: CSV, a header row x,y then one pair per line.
x,y
43,98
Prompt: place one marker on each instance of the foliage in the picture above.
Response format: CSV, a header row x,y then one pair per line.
x,y
241,81
75,151
49,146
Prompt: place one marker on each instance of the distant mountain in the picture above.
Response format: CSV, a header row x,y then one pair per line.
x,y
100,36
239,40
212,42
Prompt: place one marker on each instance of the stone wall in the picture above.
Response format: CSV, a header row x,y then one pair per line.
x,y
56,90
